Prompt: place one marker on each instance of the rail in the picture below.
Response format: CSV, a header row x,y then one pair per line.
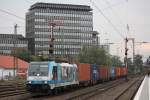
x,y
95,91
12,90
136,84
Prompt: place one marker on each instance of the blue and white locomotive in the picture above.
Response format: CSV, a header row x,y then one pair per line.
x,y
51,76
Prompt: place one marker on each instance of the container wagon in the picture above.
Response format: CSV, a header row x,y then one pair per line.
x,y
112,73
118,73
84,74
94,74
103,73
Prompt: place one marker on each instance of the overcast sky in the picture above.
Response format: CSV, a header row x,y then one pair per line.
x,y
135,13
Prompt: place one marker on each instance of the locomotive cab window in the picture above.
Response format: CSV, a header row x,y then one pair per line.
x,y
38,70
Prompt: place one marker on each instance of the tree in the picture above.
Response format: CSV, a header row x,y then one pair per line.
x,y
148,61
39,58
115,61
129,61
35,58
21,53
83,54
94,55
138,63
130,65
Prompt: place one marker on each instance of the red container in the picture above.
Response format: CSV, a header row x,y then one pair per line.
x,y
121,71
84,72
118,72
124,71
103,72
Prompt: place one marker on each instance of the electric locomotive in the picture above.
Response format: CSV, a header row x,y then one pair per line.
x,y
50,76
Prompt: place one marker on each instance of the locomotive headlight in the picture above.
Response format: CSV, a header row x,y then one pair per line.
x,y
30,82
45,82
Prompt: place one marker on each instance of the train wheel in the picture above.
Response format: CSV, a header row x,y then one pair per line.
x,y
55,91
50,92
59,90
62,89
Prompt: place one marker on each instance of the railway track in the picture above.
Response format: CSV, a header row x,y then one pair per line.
x,y
130,91
7,90
90,92
84,93
95,91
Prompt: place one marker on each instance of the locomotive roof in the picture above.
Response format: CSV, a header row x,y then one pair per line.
x,y
66,64
46,62
40,62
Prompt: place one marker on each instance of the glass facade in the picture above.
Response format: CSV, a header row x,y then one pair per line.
x,y
73,28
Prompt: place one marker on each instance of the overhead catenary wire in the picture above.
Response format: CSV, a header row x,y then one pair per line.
x,y
9,13
113,5
108,20
28,2
3,27
116,14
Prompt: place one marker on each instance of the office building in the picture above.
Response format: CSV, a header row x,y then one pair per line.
x,y
9,41
70,25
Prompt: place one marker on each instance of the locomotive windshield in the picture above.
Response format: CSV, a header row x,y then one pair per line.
x,y
38,70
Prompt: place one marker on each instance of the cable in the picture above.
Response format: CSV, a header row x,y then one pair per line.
x,y
121,22
107,19
1,10
28,2
11,26
113,5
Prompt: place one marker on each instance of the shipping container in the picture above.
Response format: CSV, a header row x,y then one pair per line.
x,y
103,73
121,71
116,70
118,73
124,71
94,74
84,72
109,74
112,72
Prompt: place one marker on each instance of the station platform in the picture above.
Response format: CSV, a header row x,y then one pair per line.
x,y
143,92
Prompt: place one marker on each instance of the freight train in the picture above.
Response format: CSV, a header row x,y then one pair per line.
x,y
52,77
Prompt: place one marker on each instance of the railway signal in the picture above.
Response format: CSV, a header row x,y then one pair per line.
x,y
126,55
51,44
